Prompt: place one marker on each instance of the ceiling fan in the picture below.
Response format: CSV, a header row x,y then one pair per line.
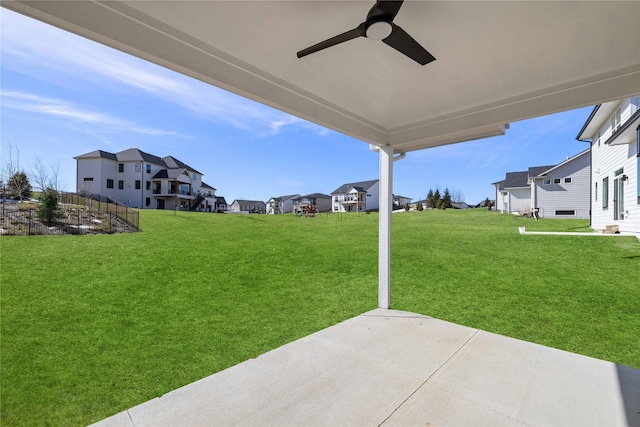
x,y
379,26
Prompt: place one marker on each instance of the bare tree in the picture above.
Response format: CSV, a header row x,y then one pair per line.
x,y
54,179
39,174
18,185
457,195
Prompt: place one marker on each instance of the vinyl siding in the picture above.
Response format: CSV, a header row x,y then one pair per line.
x,y
606,160
574,196
519,200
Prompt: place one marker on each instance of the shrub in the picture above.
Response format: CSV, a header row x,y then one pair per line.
x,y
49,209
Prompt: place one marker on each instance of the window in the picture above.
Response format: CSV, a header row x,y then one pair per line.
x,y
556,180
605,193
547,181
137,184
568,180
147,201
148,185
109,183
566,213
195,176
148,168
596,192
120,167
120,185
88,179
137,167
619,172
616,120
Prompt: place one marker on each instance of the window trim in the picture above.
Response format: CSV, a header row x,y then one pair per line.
x,y
120,167
557,180
120,185
605,193
546,181
110,183
568,180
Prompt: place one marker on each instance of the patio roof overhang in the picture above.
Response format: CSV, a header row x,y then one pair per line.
x,y
497,62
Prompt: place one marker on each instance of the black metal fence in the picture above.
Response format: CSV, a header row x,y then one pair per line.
x,y
103,204
77,215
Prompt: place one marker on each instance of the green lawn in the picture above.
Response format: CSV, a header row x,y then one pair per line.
x,y
92,325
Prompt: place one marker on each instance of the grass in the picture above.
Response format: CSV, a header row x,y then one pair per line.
x,y
92,325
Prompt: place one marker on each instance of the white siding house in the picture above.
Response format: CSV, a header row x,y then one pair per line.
x,y
613,130
356,196
142,180
281,205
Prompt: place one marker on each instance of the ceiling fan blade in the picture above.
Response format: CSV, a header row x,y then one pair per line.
x,y
404,43
388,9
360,31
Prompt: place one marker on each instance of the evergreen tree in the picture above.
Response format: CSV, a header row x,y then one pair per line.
x,y
19,186
446,199
431,203
437,199
49,208
419,206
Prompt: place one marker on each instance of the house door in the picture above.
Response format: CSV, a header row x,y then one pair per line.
x,y
618,199
160,203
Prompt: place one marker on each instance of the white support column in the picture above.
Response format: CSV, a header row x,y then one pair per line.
x,y
384,234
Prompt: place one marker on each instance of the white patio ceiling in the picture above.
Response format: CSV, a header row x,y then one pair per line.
x,y
497,62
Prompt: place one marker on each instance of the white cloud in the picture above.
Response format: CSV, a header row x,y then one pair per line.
x,y
49,48
74,113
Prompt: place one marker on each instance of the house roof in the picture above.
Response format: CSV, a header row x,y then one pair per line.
x,y
134,154
284,198
97,154
174,163
516,180
205,185
314,196
539,170
246,202
221,200
360,186
495,63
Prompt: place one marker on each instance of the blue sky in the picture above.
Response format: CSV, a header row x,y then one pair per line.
x,y
63,96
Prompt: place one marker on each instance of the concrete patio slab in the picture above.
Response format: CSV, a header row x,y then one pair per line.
x,y
388,367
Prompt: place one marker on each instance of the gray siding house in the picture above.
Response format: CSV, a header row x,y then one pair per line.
x,y
560,191
320,202
248,206
563,190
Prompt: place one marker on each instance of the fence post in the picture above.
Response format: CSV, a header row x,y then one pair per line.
x,y
29,222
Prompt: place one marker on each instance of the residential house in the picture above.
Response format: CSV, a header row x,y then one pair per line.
x,y
281,205
613,131
142,180
248,206
460,205
320,203
400,202
558,191
221,204
356,196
